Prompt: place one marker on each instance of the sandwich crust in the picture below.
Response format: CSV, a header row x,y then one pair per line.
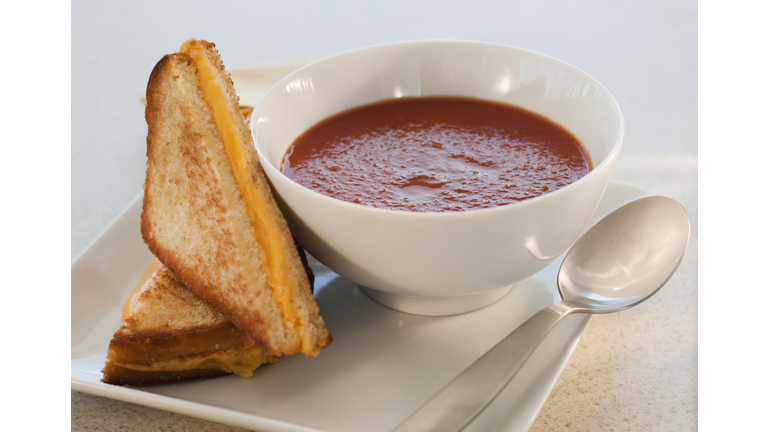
x,y
118,375
195,219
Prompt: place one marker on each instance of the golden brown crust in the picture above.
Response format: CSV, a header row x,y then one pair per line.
x,y
118,375
194,218
147,347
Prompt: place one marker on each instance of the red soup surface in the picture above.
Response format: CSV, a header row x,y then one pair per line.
x,y
434,154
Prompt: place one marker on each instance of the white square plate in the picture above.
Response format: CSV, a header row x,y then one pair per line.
x,y
382,365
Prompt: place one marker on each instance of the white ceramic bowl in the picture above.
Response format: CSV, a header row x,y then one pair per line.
x,y
451,262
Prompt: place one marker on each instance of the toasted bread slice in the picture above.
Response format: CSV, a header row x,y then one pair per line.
x,y
209,214
171,334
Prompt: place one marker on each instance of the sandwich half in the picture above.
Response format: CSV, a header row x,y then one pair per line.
x,y
209,214
171,334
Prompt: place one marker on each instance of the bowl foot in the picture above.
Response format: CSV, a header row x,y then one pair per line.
x,y
436,306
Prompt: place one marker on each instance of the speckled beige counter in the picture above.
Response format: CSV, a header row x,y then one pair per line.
x,y
632,371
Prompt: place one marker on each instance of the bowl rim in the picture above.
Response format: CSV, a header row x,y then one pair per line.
x,y
612,154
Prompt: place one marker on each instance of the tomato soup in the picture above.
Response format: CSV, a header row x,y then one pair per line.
x,y
434,154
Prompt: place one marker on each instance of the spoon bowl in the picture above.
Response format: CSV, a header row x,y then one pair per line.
x,y
620,262
626,257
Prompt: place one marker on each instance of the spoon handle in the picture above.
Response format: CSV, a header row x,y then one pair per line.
x,y
470,392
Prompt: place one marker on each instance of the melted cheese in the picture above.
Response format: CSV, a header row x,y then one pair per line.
x,y
140,286
269,240
240,361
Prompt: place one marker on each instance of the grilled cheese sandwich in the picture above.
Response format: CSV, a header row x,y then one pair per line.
x,y
230,289
209,214
171,334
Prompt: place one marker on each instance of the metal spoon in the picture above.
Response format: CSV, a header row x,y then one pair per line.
x,y
618,263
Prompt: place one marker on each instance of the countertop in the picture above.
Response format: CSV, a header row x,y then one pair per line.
x,y
636,370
